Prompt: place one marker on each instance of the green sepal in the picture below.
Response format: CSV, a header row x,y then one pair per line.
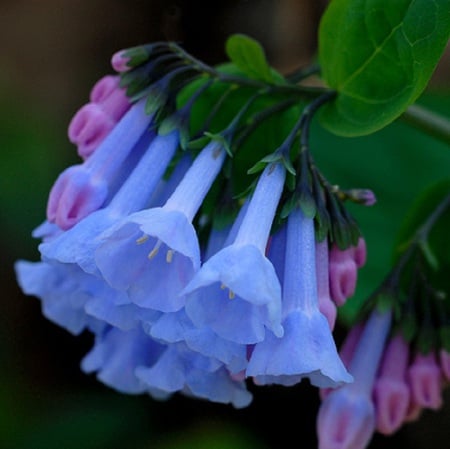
x,y
222,140
322,224
156,99
141,53
198,143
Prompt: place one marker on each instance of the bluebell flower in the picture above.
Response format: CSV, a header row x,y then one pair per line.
x,y
63,291
181,369
307,348
346,418
236,292
160,245
76,300
177,327
84,188
77,244
116,356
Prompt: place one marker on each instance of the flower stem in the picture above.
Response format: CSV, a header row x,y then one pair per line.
x,y
428,121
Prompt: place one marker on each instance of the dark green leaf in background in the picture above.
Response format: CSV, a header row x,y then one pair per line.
x,y
379,56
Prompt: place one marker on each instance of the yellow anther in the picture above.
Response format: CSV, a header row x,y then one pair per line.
x,y
223,287
142,239
231,294
155,250
169,255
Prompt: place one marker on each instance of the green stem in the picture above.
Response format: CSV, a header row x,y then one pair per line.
x,y
427,121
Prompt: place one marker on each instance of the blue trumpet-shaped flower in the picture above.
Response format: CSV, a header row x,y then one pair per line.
x,y
116,356
63,291
77,245
181,369
236,292
160,245
307,348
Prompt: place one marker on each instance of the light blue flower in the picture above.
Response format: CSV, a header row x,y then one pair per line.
x,y
236,292
63,291
346,417
76,300
179,369
77,244
159,245
176,327
307,348
117,354
84,188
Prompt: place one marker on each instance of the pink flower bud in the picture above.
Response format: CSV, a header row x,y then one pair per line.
x,y
425,380
360,253
343,274
110,96
89,127
346,420
391,392
119,61
74,195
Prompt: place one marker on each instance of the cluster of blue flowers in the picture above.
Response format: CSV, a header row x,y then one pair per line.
x,y
177,302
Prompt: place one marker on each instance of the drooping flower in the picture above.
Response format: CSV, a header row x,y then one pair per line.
x,y
307,348
160,244
77,244
346,418
236,292
181,369
84,188
117,355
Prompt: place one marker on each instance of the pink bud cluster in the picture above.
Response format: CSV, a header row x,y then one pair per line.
x,y
95,120
406,382
337,273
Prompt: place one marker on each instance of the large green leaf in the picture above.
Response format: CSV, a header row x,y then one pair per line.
x,y
379,56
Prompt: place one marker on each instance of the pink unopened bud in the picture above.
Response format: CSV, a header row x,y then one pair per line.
x,y
326,305
444,359
89,127
346,420
74,196
110,96
119,61
343,274
360,253
425,380
391,392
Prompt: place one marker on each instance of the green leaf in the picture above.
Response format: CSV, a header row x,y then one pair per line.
x,y
248,55
379,56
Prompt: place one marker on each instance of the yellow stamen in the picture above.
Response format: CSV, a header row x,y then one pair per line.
x,y
223,287
231,294
142,239
155,250
169,255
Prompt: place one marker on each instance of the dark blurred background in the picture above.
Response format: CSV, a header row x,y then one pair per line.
x,y
52,52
